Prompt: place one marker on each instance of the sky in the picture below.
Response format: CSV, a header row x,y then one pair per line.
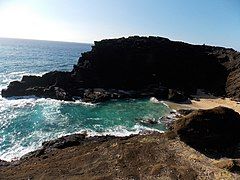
x,y
212,22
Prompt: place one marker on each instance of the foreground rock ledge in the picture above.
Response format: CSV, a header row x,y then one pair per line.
x,y
150,156
146,157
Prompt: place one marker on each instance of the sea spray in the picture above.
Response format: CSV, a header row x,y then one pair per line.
x,y
26,123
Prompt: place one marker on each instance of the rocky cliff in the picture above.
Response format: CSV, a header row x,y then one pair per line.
x,y
142,66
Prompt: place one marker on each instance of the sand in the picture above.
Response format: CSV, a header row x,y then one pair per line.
x,y
206,102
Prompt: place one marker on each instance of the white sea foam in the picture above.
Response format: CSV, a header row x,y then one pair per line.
x,y
54,120
22,101
154,100
6,78
38,137
27,121
121,131
18,150
165,104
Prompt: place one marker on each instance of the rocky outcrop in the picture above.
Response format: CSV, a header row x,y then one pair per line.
x,y
99,95
55,85
64,142
176,154
176,96
152,156
138,62
214,132
147,65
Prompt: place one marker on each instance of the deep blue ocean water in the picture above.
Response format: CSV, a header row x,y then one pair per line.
x,y
26,122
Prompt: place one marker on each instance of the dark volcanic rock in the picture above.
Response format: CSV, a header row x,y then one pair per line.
x,y
152,156
140,64
176,96
15,88
64,142
4,163
55,85
215,132
95,95
60,143
57,93
185,112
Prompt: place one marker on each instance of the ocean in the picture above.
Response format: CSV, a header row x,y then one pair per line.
x,y
26,122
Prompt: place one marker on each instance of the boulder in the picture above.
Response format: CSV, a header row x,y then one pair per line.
x,y
96,95
176,96
147,121
214,132
57,93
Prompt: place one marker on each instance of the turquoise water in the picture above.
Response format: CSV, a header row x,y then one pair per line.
x,y
26,122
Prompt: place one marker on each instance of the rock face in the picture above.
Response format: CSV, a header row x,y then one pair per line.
x,y
214,132
153,156
55,85
147,65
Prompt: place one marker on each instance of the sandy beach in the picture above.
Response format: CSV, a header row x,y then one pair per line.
x,y
206,102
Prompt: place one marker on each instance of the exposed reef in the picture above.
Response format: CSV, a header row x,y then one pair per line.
x,y
139,67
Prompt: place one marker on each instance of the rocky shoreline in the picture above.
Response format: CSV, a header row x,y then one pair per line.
x,y
138,67
203,144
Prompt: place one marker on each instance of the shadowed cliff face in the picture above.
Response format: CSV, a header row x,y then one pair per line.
x,y
141,63
214,132
138,62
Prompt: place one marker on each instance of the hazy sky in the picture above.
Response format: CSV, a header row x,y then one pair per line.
x,y
215,22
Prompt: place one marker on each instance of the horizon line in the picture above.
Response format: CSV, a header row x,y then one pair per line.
x,y
46,40
92,43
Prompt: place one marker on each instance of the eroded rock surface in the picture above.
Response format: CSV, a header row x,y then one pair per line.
x,y
154,156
